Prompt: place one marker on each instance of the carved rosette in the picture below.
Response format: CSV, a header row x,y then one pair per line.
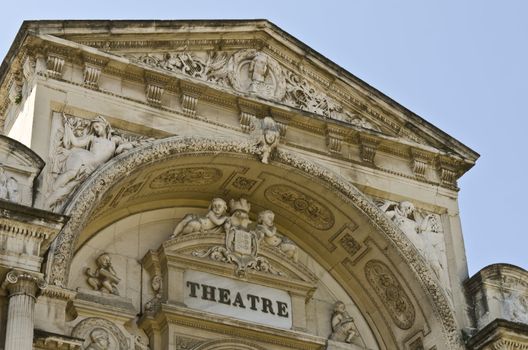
x,y
391,293
243,77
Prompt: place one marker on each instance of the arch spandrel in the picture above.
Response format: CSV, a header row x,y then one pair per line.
x,y
359,233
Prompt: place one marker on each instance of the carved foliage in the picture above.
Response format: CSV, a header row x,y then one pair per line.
x,y
314,212
97,331
391,293
255,72
195,176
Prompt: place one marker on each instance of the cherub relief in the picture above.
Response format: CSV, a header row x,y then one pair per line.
x,y
104,278
214,220
84,154
268,233
343,326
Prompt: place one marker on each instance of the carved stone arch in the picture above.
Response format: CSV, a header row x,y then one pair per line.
x,y
86,199
228,344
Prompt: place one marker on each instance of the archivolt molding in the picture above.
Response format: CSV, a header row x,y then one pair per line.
x,y
85,200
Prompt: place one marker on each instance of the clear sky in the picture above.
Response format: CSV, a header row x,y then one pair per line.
x,y
461,65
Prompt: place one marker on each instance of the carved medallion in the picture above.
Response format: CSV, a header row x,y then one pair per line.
x,y
391,293
99,333
196,176
255,72
314,213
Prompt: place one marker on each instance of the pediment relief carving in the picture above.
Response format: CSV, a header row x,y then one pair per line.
x,y
255,73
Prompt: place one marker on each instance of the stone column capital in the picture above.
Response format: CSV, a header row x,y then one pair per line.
x,y
19,282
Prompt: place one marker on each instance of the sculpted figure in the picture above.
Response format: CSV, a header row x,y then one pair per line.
x,y
12,190
269,138
268,233
213,220
343,327
8,187
3,184
105,278
86,153
99,340
421,230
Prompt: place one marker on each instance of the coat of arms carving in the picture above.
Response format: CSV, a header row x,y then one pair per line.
x,y
242,238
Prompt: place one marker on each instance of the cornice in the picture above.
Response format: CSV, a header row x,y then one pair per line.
x,y
232,327
158,81
238,34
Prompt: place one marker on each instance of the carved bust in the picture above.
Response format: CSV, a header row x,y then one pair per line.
x,y
104,278
99,340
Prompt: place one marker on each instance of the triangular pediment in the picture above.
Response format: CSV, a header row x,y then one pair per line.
x,y
223,53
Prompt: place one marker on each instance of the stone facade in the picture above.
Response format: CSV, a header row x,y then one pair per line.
x,y
220,185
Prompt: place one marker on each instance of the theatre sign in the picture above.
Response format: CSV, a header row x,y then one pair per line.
x,y
214,185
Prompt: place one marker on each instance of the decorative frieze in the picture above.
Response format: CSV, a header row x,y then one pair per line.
x,y
312,211
190,176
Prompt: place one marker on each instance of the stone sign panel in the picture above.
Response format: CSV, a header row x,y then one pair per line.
x,y
238,299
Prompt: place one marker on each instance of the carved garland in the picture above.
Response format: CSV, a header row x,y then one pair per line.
x,y
84,202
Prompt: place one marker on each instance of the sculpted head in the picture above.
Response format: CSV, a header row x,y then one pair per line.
x,y
339,307
100,337
100,127
407,208
104,260
266,218
218,206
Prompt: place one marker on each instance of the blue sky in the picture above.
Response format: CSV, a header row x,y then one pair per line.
x,y
461,65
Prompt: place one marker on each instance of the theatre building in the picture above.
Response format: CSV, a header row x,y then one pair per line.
x,y
219,185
